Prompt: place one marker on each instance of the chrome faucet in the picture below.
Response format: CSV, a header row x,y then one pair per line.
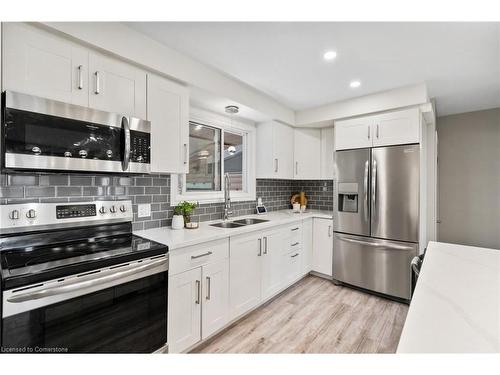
x,y
227,198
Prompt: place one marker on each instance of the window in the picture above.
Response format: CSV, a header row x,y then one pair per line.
x,y
204,158
217,147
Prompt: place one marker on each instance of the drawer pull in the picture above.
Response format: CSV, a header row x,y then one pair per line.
x,y
201,255
293,256
294,229
198,292
295,244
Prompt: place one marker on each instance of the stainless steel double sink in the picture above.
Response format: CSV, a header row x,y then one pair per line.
x,y
238,223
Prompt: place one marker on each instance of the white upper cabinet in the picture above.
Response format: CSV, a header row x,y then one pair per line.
x,y
353,133
39,63
116,86
307,154
398,127
275,150
168,111
327,153
390,128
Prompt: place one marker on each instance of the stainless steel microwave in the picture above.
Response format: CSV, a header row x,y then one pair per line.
x,y
46,135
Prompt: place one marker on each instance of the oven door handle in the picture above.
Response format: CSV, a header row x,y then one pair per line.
x,y
126,152
153,267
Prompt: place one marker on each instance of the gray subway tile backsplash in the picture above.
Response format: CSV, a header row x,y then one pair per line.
x,y
155,190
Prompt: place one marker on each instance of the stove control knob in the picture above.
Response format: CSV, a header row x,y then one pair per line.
x,y
14,215
112,209
102,210
123,208
31,214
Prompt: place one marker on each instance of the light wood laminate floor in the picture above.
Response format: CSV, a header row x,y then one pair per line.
x,y
315,316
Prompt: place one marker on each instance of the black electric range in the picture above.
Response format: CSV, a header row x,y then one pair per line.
x,y
80,282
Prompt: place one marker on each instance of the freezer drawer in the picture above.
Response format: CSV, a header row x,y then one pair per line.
x,y
373,264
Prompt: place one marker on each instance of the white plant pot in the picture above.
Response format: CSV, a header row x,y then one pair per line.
x,y
178,222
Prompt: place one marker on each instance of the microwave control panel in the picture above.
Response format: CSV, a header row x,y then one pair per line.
x,y
140,144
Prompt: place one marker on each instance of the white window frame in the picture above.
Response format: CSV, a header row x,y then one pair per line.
x,y
247,130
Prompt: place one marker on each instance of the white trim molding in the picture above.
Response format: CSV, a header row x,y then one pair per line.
x,y
238,126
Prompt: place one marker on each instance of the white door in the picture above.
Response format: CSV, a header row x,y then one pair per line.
x,y
215,311
116,86
168,111
327,153
244,273
39,63
307,153
395,128
275,246
283,145
353,133
184,310
307,245
322,246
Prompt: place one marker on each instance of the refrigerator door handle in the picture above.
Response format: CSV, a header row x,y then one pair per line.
x,y
375,244
374,185
365,187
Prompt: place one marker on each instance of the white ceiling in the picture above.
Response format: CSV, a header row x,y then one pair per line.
x,y
460,62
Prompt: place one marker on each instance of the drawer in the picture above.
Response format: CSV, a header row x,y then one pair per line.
x,y
198,255
295,235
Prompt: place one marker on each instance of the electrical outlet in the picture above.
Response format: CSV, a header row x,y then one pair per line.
x,y
144,210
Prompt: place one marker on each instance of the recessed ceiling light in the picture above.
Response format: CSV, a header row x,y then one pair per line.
x,y
355,84
330,55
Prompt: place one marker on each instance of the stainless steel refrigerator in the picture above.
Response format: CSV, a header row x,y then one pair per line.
x,y
376,219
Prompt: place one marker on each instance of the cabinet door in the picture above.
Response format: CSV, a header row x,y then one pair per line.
x,y
116,86
275,246
327,153
283,146
307,154
307,246
323,246
168,111
215,312
39,63
398,127
266,163
353,133
184,310
244,273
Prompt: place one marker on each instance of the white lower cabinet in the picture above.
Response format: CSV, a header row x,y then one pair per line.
x,y
307,245
198,298
323,246
184,310
215,299
244,273
274,262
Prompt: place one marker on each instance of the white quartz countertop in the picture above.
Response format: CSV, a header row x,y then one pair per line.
x,y
456,305
179,238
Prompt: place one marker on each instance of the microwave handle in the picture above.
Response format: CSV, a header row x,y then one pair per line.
x,y
126,154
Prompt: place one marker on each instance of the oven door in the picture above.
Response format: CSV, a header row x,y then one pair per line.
x,y
115,310
47,135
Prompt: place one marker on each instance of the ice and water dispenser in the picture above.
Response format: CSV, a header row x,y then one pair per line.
x,y
348,197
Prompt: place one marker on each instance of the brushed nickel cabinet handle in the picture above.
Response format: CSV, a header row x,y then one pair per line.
x,y
208,289
260,247
198,291
296,254
295,244
368,131
97,83
329,231
377,131
293,229
265,245
296,167
80,77
276,165
185,153
201,255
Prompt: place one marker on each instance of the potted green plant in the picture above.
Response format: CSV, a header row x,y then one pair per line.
x,y
182,214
